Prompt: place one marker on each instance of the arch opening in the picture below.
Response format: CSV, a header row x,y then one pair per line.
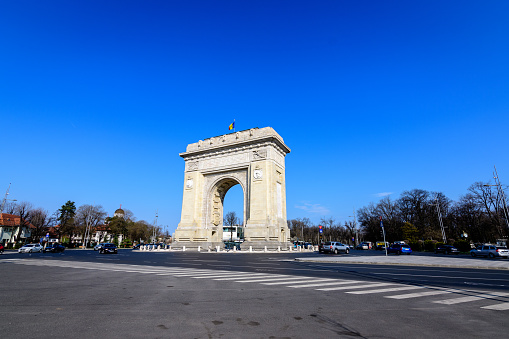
x,y
228,214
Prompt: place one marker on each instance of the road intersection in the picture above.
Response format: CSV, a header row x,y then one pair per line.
x,y
206,295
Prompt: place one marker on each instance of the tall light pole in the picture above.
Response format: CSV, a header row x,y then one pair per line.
x,y
5,199
2,209
437,204
501,195
355,227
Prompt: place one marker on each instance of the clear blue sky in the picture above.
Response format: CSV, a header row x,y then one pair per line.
x,y
98,98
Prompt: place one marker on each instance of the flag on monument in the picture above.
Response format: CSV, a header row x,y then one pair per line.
x,y
232,125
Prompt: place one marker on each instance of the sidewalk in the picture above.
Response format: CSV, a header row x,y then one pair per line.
x,y
413,260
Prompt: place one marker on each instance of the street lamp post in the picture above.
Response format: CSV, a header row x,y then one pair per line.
x,y
355,227
2,209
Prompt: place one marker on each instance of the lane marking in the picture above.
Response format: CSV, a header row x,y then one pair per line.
x,y
383,290
302,281
251,276
439,276
497,307
338,282
487,296
417,295
355,287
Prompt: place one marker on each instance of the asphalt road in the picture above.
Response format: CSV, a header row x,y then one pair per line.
x,y
270,295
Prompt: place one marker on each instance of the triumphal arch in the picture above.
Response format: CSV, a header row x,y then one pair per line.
x,y
253,159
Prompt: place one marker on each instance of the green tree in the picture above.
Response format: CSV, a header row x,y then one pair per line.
x,y
66,218
410,232
118,225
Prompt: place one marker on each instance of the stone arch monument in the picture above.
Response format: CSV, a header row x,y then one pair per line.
x,y
254,159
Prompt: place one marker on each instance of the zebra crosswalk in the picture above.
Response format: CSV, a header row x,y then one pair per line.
x,y
391,290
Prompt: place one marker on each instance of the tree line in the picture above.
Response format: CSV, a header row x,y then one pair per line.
x,y
80,222
480,216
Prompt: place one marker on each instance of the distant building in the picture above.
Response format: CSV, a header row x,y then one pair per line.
x,y
119,213
13,229
234,233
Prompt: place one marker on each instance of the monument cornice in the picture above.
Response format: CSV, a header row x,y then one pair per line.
x,y
233,141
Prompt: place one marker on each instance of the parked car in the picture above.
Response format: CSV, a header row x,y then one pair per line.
x,y
229,245
335,247
108,248
320,247
1,248
54,248
399,249
362,246
30,248
98,247
446,249
380,245
491,251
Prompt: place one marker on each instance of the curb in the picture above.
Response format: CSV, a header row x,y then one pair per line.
x,y
400,264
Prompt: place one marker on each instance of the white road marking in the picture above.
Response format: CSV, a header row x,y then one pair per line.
x,y
439,276
471,298
497,307
384,290
337,282
354,287
252,276
417,295
289,281
287,278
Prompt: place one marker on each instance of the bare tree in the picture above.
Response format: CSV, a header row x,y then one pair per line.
x,y
231,220
87,217
39,218
22,210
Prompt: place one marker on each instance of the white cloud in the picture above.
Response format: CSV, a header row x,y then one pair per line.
x,y
383,194
313,208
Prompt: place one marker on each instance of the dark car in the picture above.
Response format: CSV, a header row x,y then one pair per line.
x,y
399,249
447,249
54,248
108,248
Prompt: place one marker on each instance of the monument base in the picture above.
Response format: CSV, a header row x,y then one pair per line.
x,y
193,245
261,245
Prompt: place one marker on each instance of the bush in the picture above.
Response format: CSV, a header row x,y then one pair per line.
x,y
429,245
416,246
462,245
126,243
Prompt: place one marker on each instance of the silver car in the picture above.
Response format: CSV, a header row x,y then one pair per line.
x,y
335,247
30,248
491,251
